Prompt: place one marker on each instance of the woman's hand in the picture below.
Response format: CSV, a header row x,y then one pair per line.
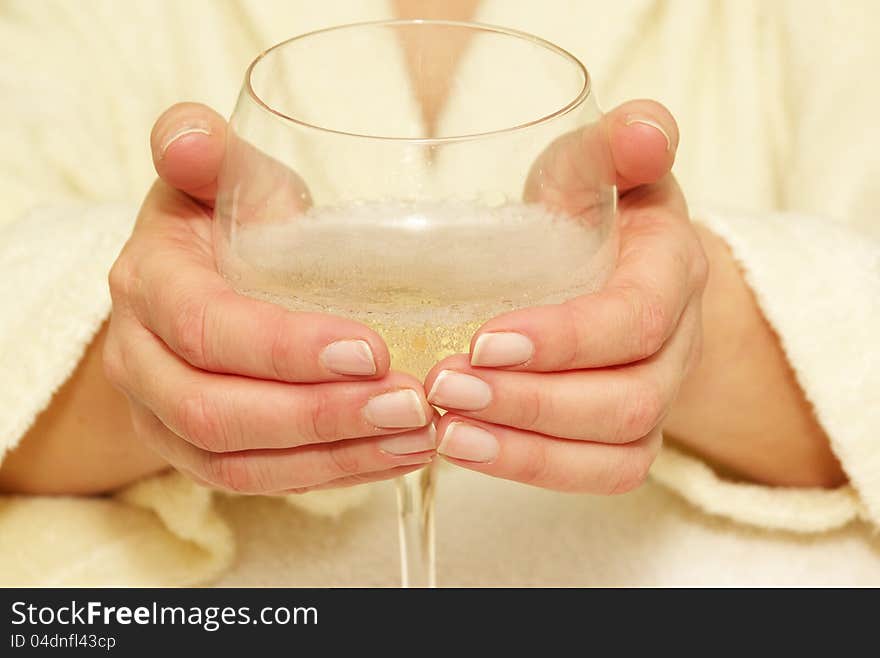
x,y
572,396
238,393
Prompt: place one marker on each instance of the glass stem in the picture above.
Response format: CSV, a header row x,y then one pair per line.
x,y
415,506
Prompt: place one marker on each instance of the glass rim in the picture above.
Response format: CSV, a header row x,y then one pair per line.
x,y
583,93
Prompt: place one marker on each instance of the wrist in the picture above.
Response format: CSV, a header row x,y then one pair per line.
x,y
741,407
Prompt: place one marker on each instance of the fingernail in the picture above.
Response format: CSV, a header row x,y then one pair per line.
x,y
468,442
633,118
457,390
197,127
406,444
349,357
502,348
396,409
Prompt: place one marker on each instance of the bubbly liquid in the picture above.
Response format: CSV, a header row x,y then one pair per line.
x,y
425,277
415,344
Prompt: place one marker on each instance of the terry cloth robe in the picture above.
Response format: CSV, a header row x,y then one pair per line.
x,y
779,156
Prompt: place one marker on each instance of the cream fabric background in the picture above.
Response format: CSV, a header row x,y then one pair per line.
x,y
775,112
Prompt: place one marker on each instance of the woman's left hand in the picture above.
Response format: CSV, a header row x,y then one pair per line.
x,y
573,396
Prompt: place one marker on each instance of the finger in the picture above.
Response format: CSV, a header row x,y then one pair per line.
x,y
272,471
634,145
355,480
225,413
543,461
348,481
259,189
176,294
643,138
660,267
607,405
188,142
216,329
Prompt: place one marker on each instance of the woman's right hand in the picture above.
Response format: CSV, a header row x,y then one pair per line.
x,y
237,393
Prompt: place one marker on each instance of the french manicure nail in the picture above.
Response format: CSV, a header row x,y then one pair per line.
x,y
197,127
468,442
349,357
502,348
645,121
401,408
456,390
411,442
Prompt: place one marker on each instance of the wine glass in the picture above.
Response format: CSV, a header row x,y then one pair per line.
x,y
420,177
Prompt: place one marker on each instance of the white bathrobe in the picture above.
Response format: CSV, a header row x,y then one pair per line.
x,y
780,155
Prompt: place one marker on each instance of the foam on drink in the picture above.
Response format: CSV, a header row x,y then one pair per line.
x,y
425,276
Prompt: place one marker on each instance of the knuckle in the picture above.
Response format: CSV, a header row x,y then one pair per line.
x,y
531,409
199,421
144,425
631,473
236,472
533,469
189,333
113,364
700,267
143,430
120,277
570,348
652,321
642,410
357,479
346,460
321,420
283,352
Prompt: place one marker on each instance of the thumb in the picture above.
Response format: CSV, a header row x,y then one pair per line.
x,y
643,138
640,137
188,142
